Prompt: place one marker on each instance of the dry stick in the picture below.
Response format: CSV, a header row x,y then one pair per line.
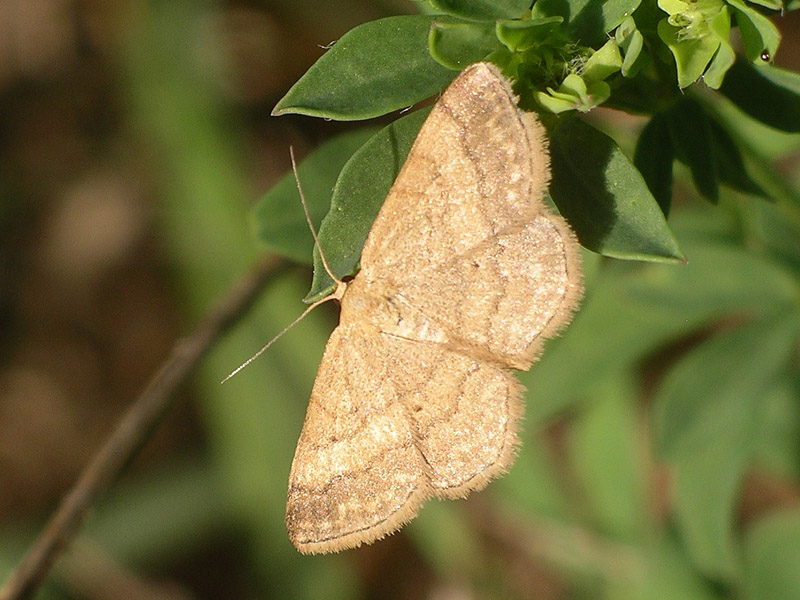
x,y
130,433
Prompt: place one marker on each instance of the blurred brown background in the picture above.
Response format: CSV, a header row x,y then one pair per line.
x,y
93,291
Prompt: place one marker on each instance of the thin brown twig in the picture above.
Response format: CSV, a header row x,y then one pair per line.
x,y
131,431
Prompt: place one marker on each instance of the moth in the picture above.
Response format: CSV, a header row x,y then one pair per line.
x,y
464,273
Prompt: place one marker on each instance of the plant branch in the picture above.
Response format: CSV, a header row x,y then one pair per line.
x,y
131,431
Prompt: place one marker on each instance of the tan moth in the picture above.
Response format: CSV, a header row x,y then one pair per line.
x,y
465,272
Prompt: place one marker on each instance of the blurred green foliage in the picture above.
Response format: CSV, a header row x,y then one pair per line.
x,y
684,372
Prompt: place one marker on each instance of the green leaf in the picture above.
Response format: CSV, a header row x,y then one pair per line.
x,y
692,55
358,195
654,157
711,153
480,10
556,102
761,147
766,93
705,492
782,77
770,4
711,397
604,449
777,451
574,94
278,217
373,69
691,137
570,95
759,35
667,575
604,62
456,45
604,197
631,41
772,553
533,485
720,27
775,226
728,161
709,413
519,36
721,274
589,20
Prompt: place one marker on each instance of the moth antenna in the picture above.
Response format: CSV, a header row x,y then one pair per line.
x,y
337,295
308,219
277,337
